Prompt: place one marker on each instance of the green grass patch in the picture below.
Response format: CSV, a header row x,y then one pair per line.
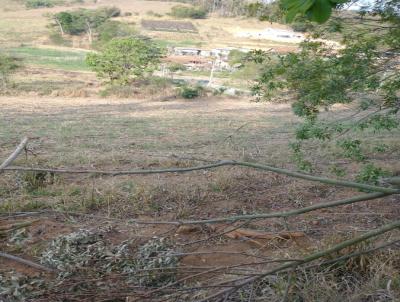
x,y
52,58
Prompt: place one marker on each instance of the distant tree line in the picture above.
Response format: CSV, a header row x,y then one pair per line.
x,y
32,4
192,12
84,20
271,11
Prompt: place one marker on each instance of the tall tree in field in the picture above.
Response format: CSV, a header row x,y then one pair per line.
x,y
364,73
124,60
84,20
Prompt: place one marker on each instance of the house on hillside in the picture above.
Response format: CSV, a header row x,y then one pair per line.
x,y
222,53
186,51
274,34
190,62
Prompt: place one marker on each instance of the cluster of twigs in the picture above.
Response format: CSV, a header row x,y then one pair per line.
x,y
223,289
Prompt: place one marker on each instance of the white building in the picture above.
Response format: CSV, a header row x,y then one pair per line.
x,y
186,51
274,34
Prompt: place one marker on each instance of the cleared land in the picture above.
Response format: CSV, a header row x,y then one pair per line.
x,y
19,25
141,134
173,26
56,104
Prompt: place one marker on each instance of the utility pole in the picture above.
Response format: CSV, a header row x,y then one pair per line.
x,y
212,73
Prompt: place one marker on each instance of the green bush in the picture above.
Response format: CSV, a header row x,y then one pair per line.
x,y
236,56
76,22
191,92
174,67
124,60
249,71
180,11
265,11
302,26
39,3
153,14
113,29
371,174
8,65
253,9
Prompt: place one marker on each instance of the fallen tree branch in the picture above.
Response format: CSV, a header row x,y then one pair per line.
x,y
245,281
16,226
272,215
25,262
14,155
289,213
254,234
335,182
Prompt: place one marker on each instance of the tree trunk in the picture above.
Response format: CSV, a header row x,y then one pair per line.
x,y
60,26
89,32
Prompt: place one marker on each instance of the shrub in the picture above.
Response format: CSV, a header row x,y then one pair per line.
x,y
249,71
125,60
253,9
78,22
371,174
180,11
39,3
302,26
152,13
265,11
174,67
236,56
111,30
190,92
8,65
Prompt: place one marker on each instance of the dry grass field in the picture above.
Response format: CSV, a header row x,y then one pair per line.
x,y
56,103
19,25
115,134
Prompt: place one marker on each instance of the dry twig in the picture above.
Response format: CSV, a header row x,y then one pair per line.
x,y
14,155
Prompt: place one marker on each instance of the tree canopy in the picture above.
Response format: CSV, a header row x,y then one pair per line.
x,y
124,60
363,72
81,20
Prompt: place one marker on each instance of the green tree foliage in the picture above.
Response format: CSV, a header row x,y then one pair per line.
x,y
271,12
174,67
224,8
181,11
84,20
8,65
190,92
275,12
126,59
315,10
39,3
113,29
236,57
363,72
